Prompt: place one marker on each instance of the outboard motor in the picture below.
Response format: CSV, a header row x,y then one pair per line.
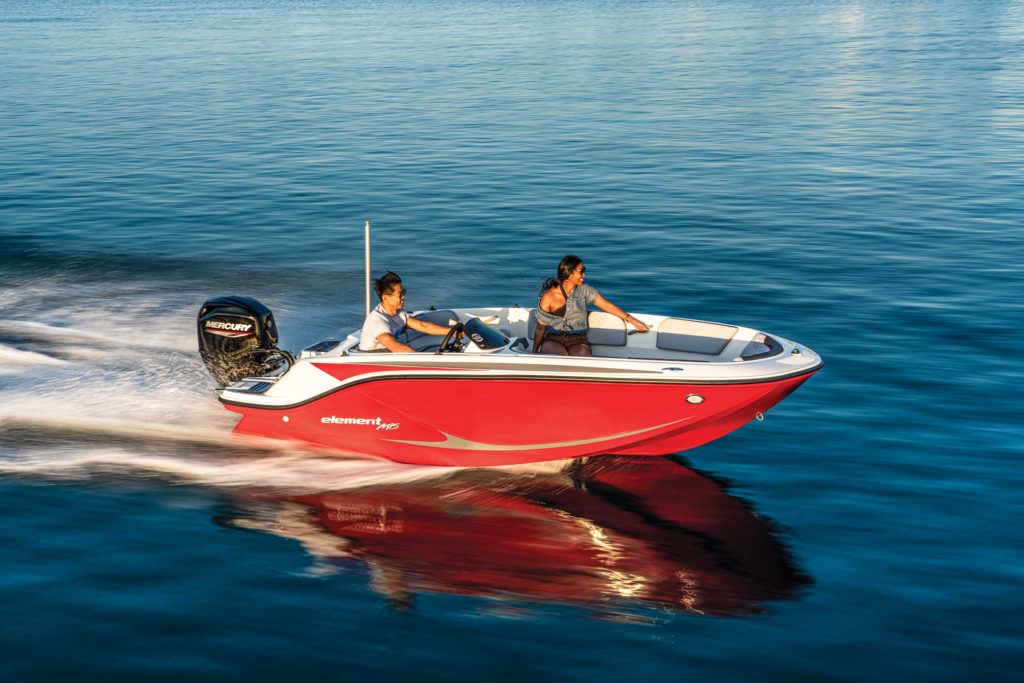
x,y
238,339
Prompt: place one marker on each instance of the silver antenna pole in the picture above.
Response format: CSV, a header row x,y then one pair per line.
x,y
366,240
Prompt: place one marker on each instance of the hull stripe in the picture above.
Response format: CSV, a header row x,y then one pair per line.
x,y
378,377
458,443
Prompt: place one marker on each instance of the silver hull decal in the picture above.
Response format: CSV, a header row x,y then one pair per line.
x,y
460,444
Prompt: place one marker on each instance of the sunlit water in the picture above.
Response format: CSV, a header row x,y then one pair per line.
x,y
848,175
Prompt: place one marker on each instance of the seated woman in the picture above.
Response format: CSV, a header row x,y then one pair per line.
x,y
562,311
388,319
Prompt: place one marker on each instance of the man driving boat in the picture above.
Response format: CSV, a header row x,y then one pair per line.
x,y
389,319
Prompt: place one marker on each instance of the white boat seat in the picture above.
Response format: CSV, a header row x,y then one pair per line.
x,y
694,336
605,329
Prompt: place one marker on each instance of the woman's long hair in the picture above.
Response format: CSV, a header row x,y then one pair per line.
x,y
565,268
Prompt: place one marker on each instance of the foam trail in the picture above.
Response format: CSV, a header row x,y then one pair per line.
x,y
83,449
284,471
126,338
46,332
11,357
89,429
78,447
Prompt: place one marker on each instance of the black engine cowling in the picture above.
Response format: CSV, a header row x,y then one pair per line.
x,y
238,339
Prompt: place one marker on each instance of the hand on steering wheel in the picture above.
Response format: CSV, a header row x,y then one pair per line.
x,y
451,340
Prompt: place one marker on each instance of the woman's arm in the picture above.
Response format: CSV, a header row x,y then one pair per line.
x,y
608,306
548,302
538,336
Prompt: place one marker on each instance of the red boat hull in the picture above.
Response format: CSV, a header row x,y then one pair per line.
x,y
471,422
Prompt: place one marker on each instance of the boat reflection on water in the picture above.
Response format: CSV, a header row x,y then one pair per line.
x,y
608,533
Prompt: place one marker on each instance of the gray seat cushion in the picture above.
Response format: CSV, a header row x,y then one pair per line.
x,y
605,329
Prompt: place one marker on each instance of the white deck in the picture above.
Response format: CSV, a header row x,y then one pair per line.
x,y
675,350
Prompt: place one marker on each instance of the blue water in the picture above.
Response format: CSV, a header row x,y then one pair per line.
x,y
845,174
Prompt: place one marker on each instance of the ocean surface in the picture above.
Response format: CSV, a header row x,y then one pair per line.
x,y
846,174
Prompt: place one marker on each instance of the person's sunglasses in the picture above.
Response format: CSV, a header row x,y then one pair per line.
x,y
581,269
400,292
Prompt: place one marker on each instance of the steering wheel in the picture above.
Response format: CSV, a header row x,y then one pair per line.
x,y
451,340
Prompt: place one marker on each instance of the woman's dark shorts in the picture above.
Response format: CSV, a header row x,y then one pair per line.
x,y
566,344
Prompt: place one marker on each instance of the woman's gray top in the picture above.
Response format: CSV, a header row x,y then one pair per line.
x,y
575,317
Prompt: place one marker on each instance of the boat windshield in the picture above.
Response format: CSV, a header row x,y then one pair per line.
x,y
486,338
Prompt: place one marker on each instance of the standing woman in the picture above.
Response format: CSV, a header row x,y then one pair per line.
x,y
562,311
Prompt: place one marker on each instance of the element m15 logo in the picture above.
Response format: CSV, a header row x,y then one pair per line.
x,y
226,329
380,424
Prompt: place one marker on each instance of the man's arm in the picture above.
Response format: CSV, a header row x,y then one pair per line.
x,y
425,327
388,341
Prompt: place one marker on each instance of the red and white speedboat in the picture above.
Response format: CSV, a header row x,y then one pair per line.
x,y
488,400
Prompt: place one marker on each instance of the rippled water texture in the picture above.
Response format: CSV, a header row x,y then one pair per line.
x,y
845,174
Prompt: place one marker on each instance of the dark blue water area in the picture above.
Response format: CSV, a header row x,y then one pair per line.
x,y
849,175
